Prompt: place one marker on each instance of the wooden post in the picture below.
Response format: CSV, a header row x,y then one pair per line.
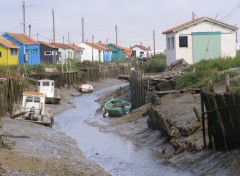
x,y
203,119
197,114
227,82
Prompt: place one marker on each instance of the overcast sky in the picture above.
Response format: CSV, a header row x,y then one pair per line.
x,y
135,19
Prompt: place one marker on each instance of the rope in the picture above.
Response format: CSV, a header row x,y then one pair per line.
x,y
227,106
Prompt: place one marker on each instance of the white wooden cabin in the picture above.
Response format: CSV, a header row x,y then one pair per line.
x,y
201,38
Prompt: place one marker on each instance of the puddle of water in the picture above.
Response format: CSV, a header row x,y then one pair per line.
x,y
116,155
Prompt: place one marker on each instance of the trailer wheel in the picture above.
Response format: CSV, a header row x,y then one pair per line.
x,y
105,113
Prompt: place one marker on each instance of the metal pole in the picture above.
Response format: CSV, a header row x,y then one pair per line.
x,y
53,26
92,47
68,37
154,51
116,34
24,17
82,30
30,30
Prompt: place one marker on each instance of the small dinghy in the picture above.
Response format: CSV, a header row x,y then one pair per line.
x,y
116,108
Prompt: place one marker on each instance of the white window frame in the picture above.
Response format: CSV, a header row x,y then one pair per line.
x,y
47,53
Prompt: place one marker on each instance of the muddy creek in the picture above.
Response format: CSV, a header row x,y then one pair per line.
x,y
115,154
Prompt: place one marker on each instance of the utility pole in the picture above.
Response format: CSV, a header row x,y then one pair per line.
x,y
37,37
63,39
53,26
154,51
92,46
116,30
68,37
24,17
30,30
193,15
82,30
107,41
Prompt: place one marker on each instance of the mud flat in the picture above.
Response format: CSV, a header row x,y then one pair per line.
x,y
32,149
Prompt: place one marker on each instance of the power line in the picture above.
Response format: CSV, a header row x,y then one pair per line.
x,y
232,11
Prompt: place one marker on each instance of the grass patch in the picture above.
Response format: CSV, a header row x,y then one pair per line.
x,y
209,70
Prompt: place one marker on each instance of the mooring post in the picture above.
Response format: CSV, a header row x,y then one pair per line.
x,y
227,82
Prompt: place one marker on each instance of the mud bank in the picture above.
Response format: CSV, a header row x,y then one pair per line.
x,y
178,110
32,149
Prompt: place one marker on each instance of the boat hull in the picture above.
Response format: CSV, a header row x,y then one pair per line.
x,y
115,108
52,100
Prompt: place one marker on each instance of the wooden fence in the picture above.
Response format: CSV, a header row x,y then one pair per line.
x,y
223,119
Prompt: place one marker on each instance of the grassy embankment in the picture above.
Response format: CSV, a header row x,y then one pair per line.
x,y
215,70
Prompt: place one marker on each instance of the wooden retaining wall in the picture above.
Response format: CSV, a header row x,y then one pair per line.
x,y
223,119
137,85
11,89
10,92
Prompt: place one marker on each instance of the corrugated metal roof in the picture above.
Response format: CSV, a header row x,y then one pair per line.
x,y
93,45
22,38
117,46
74,47
142,47
48,44
103,46
197,20
7,43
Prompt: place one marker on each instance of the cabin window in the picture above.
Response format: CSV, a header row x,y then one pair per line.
x,y
36,100
183,41
47,53
13,51
35,51
168,43
27,51
172,42
29,99
45,83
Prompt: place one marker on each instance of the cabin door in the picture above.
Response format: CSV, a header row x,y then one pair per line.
x,y
206,45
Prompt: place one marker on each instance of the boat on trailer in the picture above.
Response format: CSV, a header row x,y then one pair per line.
x,y
33,109
47,87
116,107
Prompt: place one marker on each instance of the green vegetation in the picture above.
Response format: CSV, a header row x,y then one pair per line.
x,y
156,63
214,70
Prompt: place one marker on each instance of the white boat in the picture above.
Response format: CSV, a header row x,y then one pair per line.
x,y
47,87
85,88
33,109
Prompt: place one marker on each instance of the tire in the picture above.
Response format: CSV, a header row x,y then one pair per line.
x,y
105,113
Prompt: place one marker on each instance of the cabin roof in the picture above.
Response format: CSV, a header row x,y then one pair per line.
x,y
7,43
195,21
33,93
22,38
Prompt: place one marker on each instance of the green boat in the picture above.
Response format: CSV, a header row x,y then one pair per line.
x,y
116,107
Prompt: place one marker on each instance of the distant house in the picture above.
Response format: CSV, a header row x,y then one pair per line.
x,y
201,38
29,49
106,52
78,51
48,53
8,52
92,52
118,52
65,52
140,51
128,53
